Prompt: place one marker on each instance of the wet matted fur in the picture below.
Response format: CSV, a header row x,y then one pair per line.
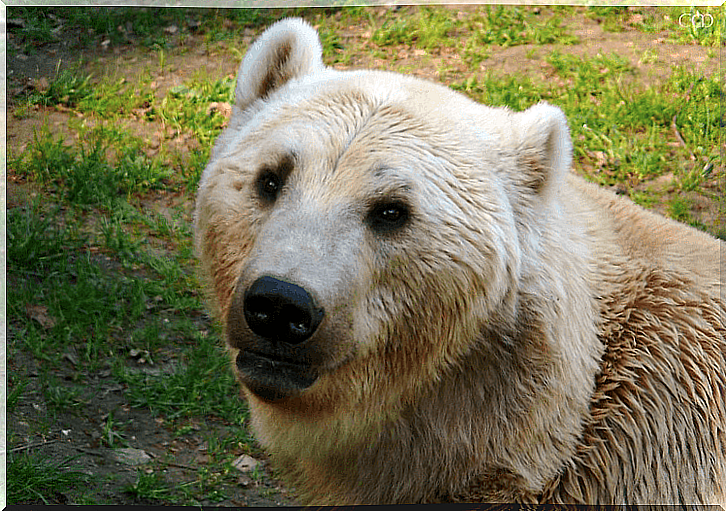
x,y
463,318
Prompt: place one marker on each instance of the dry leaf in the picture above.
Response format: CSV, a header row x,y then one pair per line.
x,y
39,313
225,109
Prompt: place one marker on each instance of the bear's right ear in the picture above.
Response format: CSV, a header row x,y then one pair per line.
x,y
288,49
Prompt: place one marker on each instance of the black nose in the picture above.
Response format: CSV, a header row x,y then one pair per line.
x,y
281,311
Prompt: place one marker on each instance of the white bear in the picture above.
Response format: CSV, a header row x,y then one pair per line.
x,y
423,304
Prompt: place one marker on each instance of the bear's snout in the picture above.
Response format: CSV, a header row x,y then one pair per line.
x,y
269,322
281,311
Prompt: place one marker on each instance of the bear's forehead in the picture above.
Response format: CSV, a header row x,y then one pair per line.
x,y
384,145
340,101
383,111
371,128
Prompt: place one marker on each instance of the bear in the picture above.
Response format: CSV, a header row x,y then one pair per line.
x,y
422,302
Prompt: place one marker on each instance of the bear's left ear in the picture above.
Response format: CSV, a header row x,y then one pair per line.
x,y
546,146
288,49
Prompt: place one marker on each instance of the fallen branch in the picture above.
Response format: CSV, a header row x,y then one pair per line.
x,y
33,445
178,465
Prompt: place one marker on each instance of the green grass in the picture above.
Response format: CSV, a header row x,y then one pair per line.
x,y
98,282
99,170
512,26
186,107
678,208
91,306
116,24
108,97
621,127
111,162
150,486
201,384
429,28
704,26
59,397
112,435
612,19
15,393
31,479
35,241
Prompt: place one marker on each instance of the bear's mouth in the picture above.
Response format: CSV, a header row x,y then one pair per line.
x,y
271,378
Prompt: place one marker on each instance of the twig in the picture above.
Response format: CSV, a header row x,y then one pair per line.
x,y
171,464
178,465
32,446
88,451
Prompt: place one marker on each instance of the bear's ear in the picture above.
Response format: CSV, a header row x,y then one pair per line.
x,y
288,49
546,146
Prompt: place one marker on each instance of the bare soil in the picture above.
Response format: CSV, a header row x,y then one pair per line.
x,y
77,434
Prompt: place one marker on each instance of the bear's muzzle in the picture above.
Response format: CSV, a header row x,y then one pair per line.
x,y
272,379
270,322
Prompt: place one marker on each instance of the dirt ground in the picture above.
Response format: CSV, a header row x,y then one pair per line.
x,y
79,430
80,438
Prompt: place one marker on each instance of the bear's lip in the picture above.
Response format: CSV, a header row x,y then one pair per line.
x,y
272,378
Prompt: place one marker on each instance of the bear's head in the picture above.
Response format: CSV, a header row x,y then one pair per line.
x,y
361,229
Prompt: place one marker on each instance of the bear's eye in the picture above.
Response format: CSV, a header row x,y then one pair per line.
x,y
269,185
388,216
272,177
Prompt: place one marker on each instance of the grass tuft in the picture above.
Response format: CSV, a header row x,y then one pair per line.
x,y
93,172
32,480
201,384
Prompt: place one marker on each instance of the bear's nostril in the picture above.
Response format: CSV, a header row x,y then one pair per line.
x,y
259,309
281,311
298,329
259,318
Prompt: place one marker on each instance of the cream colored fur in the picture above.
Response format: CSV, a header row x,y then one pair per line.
x,y
526,336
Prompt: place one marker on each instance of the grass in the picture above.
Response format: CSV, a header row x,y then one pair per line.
x,y
623,129
59,397
100,261
116,24
428,29
32,479
705,26
150,486
701,25
199,384
103,166
112,435
15,394
186,107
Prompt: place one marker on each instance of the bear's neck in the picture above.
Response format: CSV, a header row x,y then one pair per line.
x,y
512,410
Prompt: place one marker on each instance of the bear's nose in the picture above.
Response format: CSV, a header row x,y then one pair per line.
x,y
281,311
